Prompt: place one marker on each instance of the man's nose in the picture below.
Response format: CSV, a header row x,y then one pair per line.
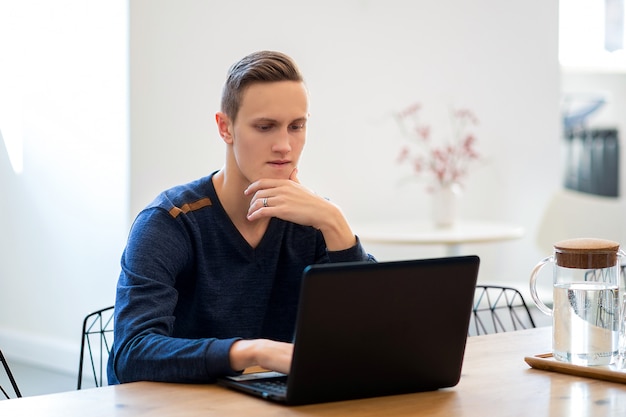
x,y
282,143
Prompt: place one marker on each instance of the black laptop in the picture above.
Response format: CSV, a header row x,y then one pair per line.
x,y
374,329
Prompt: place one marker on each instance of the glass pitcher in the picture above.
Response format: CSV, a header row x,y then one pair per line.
x,y
586,311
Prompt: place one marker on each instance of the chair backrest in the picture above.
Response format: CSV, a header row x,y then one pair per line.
x,y
567,216
95,346
9,376
499,309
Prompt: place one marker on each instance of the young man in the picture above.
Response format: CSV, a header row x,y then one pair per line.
x,y
211,272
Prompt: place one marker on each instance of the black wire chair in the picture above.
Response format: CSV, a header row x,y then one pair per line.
x,y
9,374
499,309
97,339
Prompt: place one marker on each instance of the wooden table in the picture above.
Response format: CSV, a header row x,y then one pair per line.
x,y
495,382
452,238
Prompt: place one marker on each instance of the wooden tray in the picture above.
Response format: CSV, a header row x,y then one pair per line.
x,y
547,362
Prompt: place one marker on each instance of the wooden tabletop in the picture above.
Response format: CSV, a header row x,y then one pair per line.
x,y
496,381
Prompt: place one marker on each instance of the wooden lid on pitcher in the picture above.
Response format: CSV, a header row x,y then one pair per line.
x,y
586,253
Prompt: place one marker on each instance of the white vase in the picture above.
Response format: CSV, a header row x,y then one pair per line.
x,y
445,202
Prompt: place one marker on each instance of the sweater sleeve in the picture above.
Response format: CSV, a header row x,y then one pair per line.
x,y
144,346
355,253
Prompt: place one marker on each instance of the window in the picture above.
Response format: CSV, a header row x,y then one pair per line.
x,y
591,34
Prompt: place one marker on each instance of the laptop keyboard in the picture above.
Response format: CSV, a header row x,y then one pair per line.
x,y
273,385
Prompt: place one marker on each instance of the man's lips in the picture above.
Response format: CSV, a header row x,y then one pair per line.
x,y
279,163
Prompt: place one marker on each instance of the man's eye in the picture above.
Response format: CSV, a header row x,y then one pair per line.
x,y
264,128
298,126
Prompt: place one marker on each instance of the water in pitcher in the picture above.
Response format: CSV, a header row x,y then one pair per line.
x,y
585,333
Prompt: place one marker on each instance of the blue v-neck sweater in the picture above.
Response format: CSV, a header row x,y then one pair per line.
x,y
191,285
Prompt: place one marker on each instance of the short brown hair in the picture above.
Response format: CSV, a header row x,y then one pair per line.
x,y
262,66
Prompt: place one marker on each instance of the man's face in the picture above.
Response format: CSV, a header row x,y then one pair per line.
x,y
270,130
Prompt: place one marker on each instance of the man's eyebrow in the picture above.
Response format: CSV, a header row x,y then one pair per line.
x,y
270,120
264,119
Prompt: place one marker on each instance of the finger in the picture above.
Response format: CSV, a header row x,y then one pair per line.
x,y
258,207
259,185
258,203
294,176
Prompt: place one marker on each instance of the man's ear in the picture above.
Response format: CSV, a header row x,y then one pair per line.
x,y
224,126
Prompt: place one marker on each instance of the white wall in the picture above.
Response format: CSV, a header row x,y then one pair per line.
x,y
363,60
66,216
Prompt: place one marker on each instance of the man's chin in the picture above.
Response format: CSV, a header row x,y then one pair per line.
x,y
277,174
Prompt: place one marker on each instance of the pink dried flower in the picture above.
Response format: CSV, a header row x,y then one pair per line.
x,y
404,154
447,162
423,132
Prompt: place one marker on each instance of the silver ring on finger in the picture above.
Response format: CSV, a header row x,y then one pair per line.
x,y
265,202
